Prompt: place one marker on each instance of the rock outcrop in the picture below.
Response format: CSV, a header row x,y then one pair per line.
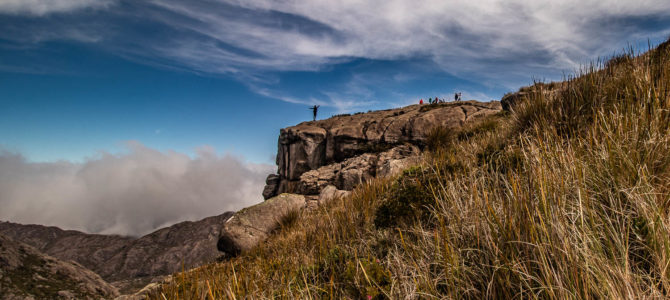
x,y
356,170
253,224
326,159
26,273
313,145
129,263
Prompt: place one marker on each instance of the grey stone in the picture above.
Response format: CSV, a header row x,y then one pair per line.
x,y
330,192
311,145
271,186
249,226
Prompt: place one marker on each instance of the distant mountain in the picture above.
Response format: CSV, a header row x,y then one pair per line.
x,y
26,273
127,262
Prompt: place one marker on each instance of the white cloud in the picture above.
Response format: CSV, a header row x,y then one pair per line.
x,y
501,43
455,33
43,7
130,194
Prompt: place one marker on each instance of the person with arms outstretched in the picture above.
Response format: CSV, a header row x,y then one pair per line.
x,y
314,109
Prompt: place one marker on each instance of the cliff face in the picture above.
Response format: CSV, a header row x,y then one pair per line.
x,y
127,261
311,145
326,159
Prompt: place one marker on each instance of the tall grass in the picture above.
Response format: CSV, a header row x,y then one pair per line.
x,y
568,197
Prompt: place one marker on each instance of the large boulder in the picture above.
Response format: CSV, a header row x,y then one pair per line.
x,y
249,226
331,192
271,186
311,145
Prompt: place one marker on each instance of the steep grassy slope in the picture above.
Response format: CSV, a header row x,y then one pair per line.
x,y
566,197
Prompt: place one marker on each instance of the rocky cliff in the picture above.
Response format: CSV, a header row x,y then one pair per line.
x,y
128,263
26,273
321,160
310,146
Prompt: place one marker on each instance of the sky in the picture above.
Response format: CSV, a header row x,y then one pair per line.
x,y
108,104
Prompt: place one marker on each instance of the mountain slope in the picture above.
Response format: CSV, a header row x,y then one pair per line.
x,y
564,197
26,272
123,259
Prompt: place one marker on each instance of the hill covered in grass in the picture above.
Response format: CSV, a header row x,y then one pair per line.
x,y
566,196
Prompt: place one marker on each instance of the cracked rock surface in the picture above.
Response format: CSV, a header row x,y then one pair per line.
x,y
312,145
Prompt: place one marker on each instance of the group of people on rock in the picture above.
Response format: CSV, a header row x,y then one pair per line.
x,y
433,101
457,97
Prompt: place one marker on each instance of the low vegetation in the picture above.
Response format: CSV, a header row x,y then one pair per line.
x,y
566,197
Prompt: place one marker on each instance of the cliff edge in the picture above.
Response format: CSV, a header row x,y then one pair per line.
x,y
321,160
311,145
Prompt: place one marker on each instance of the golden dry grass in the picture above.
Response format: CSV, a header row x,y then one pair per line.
x,y
567,197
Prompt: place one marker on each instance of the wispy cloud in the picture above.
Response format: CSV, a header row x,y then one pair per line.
x,y
44,7
494,42
303,35
130,194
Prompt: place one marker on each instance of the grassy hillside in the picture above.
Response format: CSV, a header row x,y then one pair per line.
x,y
567,197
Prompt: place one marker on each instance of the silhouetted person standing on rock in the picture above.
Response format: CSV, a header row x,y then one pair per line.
x,y
314,109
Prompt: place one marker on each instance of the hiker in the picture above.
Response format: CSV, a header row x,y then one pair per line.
x,y
421,101
455,96
315,108
460,96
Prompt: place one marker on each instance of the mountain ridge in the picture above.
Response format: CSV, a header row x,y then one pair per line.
x,y
128,263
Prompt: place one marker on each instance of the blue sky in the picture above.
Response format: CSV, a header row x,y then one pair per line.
x,y
110,109
82,76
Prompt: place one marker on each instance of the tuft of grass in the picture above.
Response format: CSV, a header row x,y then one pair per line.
x,y
289,220
439,137
566,197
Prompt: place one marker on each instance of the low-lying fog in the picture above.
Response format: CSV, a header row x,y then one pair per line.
x,y
127,194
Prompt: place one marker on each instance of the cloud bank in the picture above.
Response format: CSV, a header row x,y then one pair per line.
x,y
128,194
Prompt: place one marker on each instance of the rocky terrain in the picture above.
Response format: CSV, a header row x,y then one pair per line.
x,y
323,159
128,263
27,273
310,146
